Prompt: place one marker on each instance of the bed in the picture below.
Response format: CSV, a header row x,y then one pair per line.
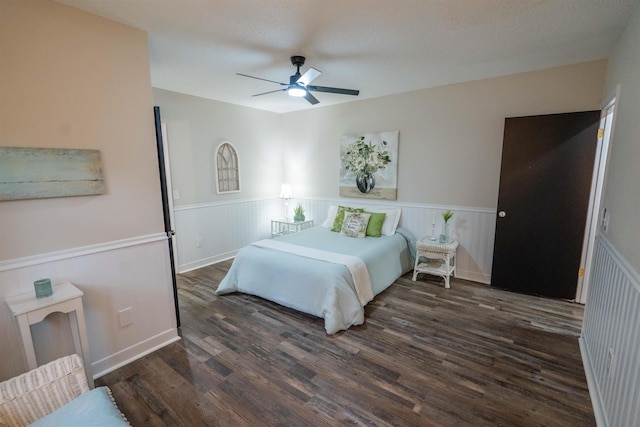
x,y
324,273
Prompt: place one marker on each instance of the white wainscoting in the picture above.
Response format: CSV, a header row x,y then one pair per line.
x,y
610,341
221,229
226,227
113,276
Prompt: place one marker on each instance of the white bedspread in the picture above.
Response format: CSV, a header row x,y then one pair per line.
x,y
356,266
308,271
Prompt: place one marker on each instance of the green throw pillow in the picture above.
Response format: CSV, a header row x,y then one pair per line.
x,y
374,228
337,223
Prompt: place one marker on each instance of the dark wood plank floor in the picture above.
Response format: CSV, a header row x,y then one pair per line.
x,y
426,356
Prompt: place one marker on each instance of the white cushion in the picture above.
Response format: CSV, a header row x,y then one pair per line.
x,y
93,408
331,216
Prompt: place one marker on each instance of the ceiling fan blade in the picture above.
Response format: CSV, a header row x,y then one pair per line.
x,y
334,90
271,91
309,76
260,78
312,99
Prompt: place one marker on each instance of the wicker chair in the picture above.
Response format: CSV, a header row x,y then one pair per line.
x,y
41,391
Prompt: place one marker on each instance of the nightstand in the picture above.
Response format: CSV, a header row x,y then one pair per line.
x,y
282,226
438,259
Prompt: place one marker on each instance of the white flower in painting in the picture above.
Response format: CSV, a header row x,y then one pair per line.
x,y
358,164
364,159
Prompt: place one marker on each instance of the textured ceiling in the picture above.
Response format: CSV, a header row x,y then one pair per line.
x,y
380,47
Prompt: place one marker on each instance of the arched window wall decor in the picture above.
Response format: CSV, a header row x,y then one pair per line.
x,y
227,168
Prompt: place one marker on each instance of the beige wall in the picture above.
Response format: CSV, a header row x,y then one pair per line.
x,y
74,80
69,79
450,152
621,194
195,128
450,137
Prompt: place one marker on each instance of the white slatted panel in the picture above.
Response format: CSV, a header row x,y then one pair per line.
x,y
612,324
223,227
226,227
115,275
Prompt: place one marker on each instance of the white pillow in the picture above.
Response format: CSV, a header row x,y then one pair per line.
x,y
391,221
331,216
355,224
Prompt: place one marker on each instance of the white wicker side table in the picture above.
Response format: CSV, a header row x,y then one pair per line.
x,y
280,227
437,258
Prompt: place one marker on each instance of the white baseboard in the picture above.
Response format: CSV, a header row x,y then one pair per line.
x,y
473,276
199,263
135,352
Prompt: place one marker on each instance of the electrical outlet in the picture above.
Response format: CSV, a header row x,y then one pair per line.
x,y
176,194
199,242
610,362
125,317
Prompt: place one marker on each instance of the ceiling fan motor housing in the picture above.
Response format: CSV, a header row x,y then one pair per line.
x,y
297,61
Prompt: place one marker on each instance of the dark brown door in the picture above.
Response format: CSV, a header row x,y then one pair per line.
x,y
545,180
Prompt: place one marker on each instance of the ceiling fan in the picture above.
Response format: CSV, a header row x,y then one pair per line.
x,y
299,84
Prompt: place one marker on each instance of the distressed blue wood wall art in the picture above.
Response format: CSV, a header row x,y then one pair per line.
x,y
35,173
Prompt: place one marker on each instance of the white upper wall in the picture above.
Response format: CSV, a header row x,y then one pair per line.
x,y
450,142
195,128
621,194
74,80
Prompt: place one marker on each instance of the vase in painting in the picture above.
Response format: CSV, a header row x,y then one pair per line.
x,y
365,183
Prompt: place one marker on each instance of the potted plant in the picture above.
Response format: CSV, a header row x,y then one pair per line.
x,y
298,213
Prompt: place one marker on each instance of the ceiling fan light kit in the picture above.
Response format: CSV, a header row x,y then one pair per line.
x,y
299,86
296,90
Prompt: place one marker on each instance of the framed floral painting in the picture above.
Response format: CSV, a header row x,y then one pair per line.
x,y
369,165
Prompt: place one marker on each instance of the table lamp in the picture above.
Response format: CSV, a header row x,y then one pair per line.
x,y
285,193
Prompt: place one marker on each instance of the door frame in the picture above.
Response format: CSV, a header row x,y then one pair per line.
x,y
170,195
167,202
596,215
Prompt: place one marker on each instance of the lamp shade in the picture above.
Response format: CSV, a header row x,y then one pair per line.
x,y
285,192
